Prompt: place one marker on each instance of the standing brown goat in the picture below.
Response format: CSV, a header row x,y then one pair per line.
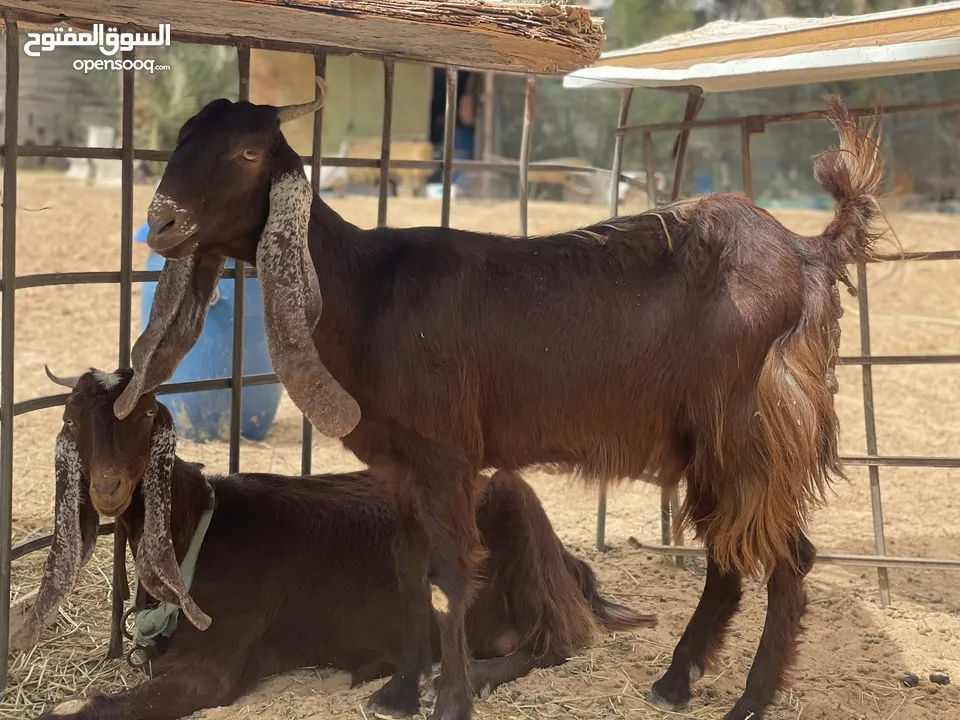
x,y
293,571
697,342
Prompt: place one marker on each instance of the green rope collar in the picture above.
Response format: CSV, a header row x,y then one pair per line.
x,y
162,619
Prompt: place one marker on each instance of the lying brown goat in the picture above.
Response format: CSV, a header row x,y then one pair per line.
x,y
293,571
694,342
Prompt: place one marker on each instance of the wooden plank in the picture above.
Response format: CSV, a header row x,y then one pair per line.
x,y
543,39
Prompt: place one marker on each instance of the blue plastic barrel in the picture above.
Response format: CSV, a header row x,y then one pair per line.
x,y
205,416
702,183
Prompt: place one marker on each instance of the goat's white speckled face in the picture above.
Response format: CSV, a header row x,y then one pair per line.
x,y
112,453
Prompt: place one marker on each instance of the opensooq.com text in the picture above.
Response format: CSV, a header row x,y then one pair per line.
x,y
126,64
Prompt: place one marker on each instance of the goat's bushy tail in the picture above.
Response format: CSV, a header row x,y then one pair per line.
x,y
610,615
851,174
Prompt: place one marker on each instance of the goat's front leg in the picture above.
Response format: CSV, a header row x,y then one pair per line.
x,y
786,605
454,556
188,688
400,696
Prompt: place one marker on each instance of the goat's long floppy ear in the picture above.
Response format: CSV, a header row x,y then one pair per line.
x,y
156,560
292,306
74,537
177,316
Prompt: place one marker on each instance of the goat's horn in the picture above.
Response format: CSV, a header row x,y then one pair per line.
x,y
286,113
69,382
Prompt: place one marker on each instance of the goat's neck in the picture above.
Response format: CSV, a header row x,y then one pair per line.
x,y
341,252
189,498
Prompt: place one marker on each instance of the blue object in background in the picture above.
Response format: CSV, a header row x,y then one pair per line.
x,y
702,183
205,416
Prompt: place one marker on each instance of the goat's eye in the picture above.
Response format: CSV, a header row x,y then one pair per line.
x,y
68,423
150,413
250,155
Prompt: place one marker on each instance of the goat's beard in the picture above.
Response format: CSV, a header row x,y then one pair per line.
x,y
74,538
156,558
292,305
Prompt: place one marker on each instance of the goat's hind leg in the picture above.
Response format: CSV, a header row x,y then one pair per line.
x,y
701,639
705,632
786,605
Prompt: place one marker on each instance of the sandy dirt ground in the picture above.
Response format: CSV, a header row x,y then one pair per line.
x,y
854,652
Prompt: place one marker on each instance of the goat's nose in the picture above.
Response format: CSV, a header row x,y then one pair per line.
x,y
168,222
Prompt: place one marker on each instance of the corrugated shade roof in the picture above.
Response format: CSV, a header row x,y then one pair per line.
x,y
546,38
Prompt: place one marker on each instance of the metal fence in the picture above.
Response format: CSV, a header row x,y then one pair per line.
x,y
126,276
750,125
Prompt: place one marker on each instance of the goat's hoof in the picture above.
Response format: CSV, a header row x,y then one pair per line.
x,y
396,699
655,698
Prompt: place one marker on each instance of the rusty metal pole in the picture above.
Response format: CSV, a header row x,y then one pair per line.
x,y
871,432
7,326
449,131
121,591
614,207
651,171
489,93
316,163
386,132
694,103
239,297
746,166
525,143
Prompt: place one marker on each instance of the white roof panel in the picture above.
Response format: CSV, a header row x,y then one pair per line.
x,y
723,56
795,69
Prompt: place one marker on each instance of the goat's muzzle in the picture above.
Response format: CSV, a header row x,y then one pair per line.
x,y
171,227
109,497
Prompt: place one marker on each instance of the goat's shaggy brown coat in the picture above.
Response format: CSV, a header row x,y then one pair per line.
x,y
295,571
697,342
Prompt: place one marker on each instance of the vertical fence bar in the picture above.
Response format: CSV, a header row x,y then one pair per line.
x,y
694,103
671,501
239,287
625,97
9,255
651,171
525,142
386,132
614,208
449,130
746,166
489,80
316,163
871,431
120,589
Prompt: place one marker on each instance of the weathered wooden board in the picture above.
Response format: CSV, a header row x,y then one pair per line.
x,y
546,39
